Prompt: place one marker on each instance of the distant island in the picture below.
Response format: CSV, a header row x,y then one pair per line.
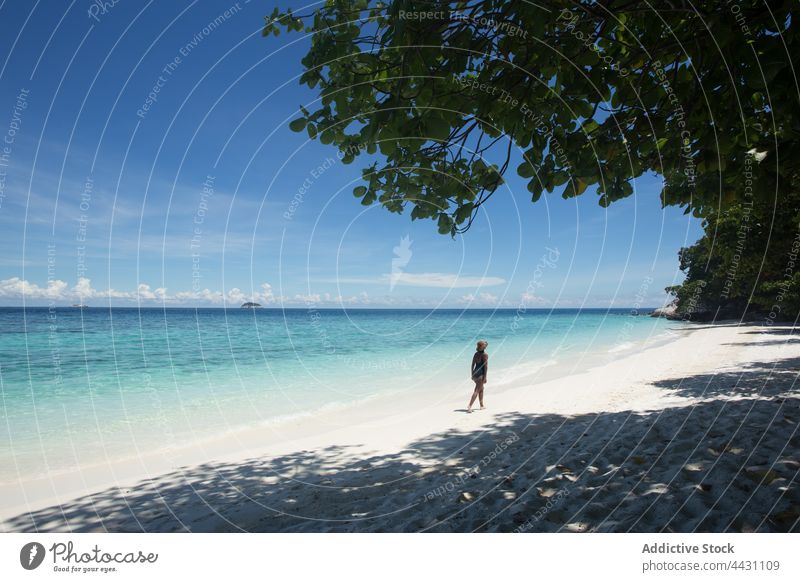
x,y
250,305
80,305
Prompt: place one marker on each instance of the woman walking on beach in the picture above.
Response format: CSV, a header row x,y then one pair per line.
x,y
478,370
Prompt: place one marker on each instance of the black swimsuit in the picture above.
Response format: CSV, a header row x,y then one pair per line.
x,y
479,368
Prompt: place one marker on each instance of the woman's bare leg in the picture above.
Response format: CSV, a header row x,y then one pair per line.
x,y
480,394
475,394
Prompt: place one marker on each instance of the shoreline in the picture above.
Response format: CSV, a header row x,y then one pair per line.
x,y
377,404
311,426
623,384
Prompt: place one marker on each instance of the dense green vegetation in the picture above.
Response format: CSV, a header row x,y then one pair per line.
x,y
443,99
747,264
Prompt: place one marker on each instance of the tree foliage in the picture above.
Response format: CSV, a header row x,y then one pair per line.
x,y
444,98
746,265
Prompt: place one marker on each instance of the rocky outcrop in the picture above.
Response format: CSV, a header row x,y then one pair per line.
x,y
669,311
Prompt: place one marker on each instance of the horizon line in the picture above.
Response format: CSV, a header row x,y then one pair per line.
x,y
240,308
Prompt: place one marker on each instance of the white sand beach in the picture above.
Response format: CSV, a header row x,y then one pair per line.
x,y
698,434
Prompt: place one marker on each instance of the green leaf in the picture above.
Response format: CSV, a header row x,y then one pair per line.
x,y
387,147
359,191
525,170
445,223
560,178
535,187
575,188
396,99
437,129
590,126
369,198
298,124
464,212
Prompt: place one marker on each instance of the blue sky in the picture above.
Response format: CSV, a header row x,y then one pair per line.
x,y
194,197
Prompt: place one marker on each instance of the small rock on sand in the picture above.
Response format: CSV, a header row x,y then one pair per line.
x,y
761,473
546,491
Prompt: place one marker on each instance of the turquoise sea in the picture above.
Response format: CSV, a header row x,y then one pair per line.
x,y
82,385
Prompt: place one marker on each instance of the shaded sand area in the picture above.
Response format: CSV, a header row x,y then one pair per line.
x,y
699,434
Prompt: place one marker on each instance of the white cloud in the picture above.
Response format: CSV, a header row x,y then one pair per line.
x,y
308,299
360,299
487,298
144,293
531,299
236,296
449,280
83,292
83,289
480,298
16,287
265,296
210,296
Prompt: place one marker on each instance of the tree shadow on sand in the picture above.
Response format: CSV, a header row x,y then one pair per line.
x,y
785,330
783,342
728,462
